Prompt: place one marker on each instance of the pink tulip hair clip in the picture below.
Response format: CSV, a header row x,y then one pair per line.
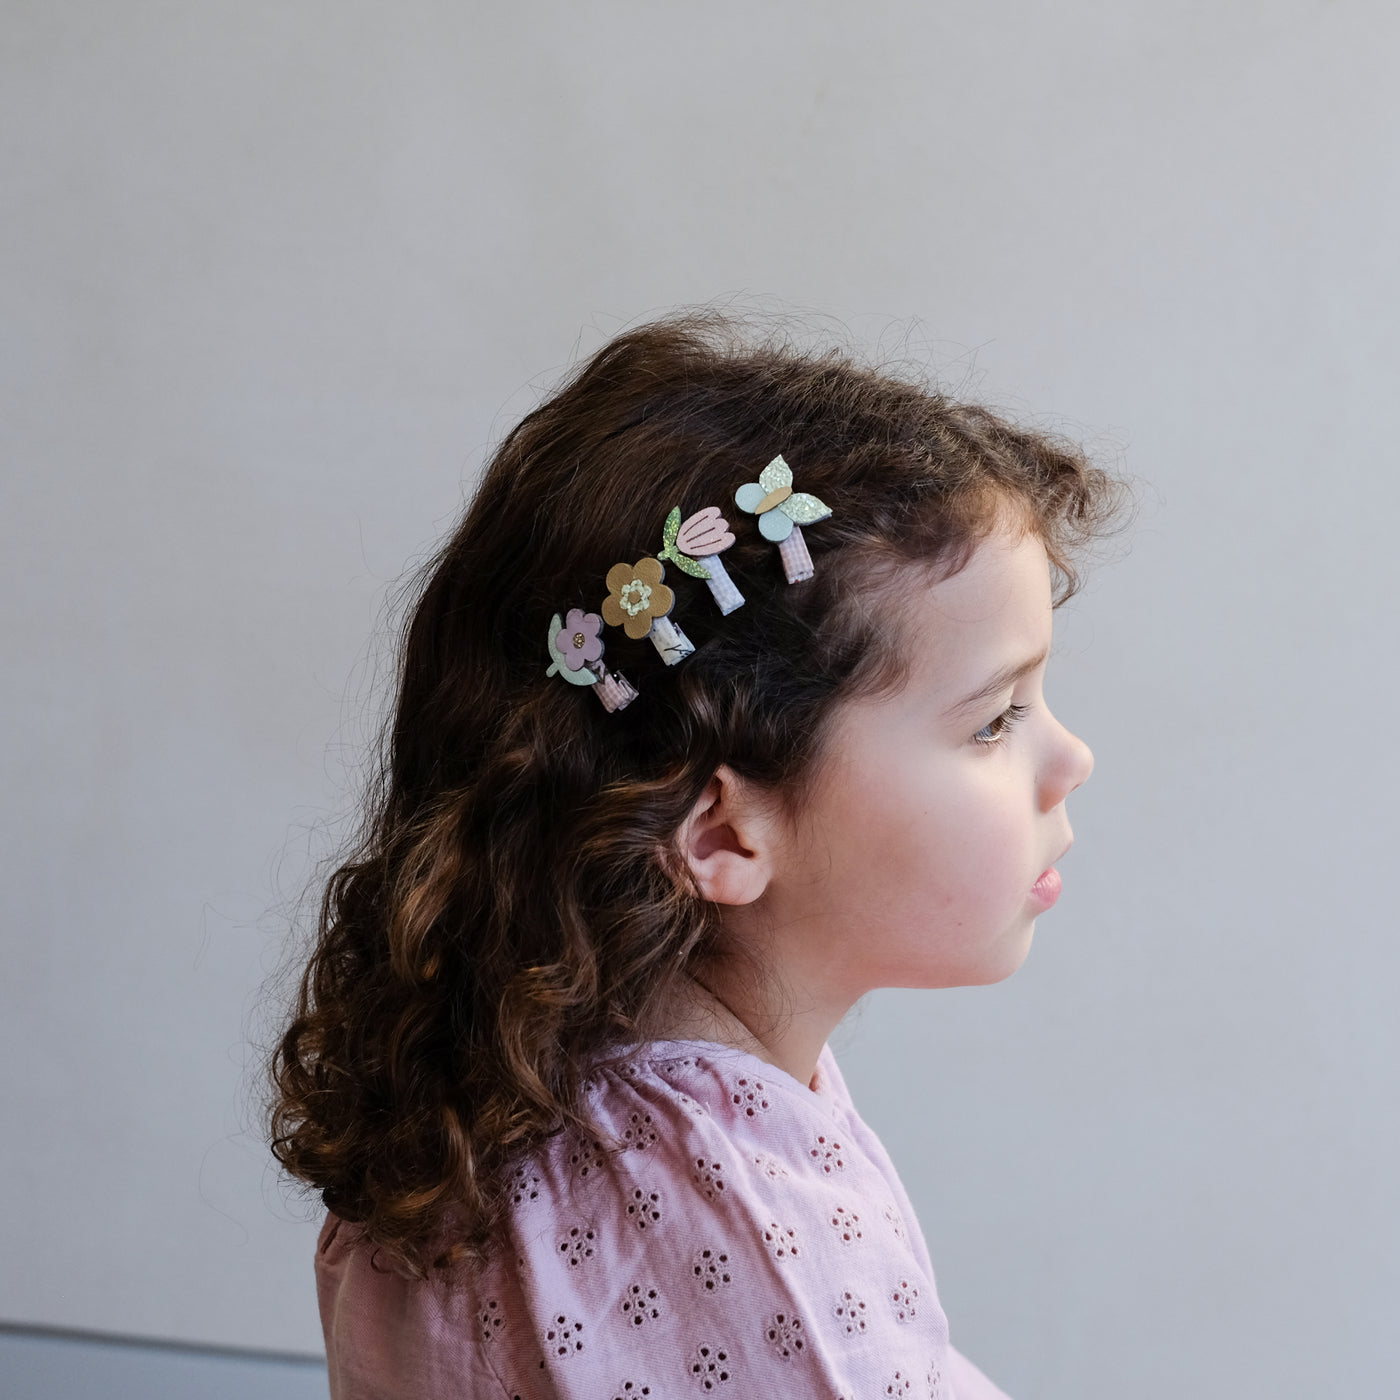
x,y
702,536
638,602
576,652
782,512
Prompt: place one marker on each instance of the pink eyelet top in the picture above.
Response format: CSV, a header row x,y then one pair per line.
x,y
750,1240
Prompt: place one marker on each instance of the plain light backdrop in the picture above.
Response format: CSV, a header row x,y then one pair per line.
x,y
273,277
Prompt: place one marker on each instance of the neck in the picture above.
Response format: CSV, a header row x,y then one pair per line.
x,y
791,1040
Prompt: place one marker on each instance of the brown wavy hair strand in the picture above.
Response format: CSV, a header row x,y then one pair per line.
x,y
506,913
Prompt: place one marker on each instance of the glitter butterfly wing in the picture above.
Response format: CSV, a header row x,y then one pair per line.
x,y
796,507
804,509
777,473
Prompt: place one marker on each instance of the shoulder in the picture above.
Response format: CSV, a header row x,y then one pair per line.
x,y
709,1128
721,1220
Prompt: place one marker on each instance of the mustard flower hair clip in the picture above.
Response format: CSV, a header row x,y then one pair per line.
x,y
576,653
702,536
782,512
638,602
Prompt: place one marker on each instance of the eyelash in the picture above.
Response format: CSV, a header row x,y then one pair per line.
x,y
1002,725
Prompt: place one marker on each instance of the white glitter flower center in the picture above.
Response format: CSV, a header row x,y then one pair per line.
x,y
635,597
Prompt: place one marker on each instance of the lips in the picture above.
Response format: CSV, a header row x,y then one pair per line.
x,y
1046,890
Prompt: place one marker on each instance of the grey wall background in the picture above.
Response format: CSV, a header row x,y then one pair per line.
x,y
272,277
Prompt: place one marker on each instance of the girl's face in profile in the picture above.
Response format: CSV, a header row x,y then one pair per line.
x,y
916,859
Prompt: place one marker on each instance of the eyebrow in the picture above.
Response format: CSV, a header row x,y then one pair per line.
x,y
1007,676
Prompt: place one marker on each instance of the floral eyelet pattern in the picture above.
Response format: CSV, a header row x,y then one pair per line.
x,y
784,1334
708,1177
640,1132
770,1166
640,1304
691,1106
827,1154
751,1247
710,1269
585,1157
710,1366
896,1223
846,1223
524,1186
781,1240
851,1312
903,1299
563,1336
491,1319
750,1097
644,1209
577,1245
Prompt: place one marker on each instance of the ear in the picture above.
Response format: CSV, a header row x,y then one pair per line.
x,y
728,840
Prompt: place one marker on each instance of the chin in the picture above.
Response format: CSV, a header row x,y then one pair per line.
x,y
982,975
1013,959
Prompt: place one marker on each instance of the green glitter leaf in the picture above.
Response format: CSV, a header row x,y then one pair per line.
x,y
669,551
691,566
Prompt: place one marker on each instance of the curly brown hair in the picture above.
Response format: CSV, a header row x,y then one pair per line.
x,y
509,910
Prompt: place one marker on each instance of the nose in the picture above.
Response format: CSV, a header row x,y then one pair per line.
x,y
1083,760
1067,767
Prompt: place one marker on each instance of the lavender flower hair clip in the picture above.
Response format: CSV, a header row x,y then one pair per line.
x,y
703,535
576,652
782,512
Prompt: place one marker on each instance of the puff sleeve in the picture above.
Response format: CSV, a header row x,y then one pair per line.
x,y
746,1240
729,1233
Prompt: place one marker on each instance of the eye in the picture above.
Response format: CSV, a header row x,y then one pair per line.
x,y
997,730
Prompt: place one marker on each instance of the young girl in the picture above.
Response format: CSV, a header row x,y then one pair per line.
x,y
558,1065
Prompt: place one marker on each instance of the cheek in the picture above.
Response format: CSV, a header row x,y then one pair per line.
x,y
908,833
895,836
954,841
853,844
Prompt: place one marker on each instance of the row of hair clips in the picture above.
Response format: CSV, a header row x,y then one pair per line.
x,y
640,603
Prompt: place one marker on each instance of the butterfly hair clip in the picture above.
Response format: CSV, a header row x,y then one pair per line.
x,y
782,512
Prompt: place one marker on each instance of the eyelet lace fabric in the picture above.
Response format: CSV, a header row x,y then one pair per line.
x,y
727,1231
